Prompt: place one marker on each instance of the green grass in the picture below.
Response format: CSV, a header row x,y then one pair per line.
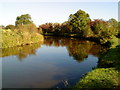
x,y
110,58
99,78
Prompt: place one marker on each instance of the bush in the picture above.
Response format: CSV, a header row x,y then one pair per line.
x,y
31,28
15,38
12,27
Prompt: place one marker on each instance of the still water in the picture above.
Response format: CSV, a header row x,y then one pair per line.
x,y
48,64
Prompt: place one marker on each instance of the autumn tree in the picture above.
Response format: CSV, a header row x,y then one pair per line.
x,y
65,28
47,28
98,26
56,28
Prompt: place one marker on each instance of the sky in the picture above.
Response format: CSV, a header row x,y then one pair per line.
x,y
42,12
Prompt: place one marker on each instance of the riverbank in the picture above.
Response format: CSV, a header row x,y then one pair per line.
x,y
110,43
14,38
106,75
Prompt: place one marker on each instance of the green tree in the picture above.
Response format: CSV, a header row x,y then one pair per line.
x,y
23,19
24,23
79,21
113,26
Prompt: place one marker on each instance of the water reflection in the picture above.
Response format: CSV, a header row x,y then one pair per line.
x,y
78,49
47,64
22,51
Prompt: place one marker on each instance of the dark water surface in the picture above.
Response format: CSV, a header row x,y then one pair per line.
x,y
48,64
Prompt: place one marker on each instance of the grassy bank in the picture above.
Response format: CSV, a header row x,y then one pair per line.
x,y
106,75
14,38
99,78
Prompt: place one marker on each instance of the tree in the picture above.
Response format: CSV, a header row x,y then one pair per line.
x,y
98,26
65,27
79,21
113,26
23,19
47,28
24,23
56,28
12,27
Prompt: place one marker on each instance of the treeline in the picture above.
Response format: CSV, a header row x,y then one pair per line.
x,y
80,25
23,33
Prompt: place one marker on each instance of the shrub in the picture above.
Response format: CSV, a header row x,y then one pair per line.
x,y
14,38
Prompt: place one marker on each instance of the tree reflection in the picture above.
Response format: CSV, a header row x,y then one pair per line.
x,y
78,49
22,51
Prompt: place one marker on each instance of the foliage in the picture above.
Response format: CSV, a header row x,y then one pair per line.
x,y
15,38
47,27
23,19
65,28
80,25
30,28
99,78
111,43
76,24
25,32
97,27
57,28
12,27
113,26
79,21
88,33
110,58
105,31
40,31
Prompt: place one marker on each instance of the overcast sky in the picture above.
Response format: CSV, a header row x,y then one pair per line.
x,y
42,12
